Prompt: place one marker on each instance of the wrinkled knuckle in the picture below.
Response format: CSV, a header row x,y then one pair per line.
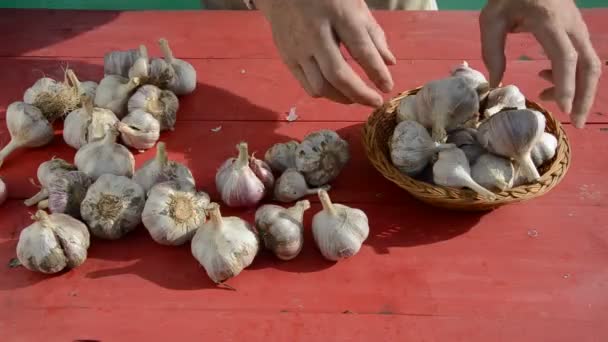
x,y
570,57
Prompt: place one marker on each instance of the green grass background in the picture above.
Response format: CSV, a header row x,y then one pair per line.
x,y
196,4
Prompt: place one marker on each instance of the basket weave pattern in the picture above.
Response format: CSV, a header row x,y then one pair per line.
x,y
379,130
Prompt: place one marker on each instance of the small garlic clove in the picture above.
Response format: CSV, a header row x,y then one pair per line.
x,y
282,156
113,93
3,192
544,150
321,156
505,97
224,246
139,130
452,169
237,184
161,169
47,172
66,193
338,230
184,81
291,186
493,172
263,172
105,157
282,230
162,104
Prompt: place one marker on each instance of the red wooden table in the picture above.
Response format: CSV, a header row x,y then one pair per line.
x,y
530,272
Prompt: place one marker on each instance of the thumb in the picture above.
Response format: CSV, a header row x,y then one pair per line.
x,y
493,39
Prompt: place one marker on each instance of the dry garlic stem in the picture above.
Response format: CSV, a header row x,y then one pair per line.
x,y
112,206
466,140
161,169
338,230
504,97
140,66
544,150
113,93
291,186
493,172
3,192
236,182
452,169
282,230
162,104
513,134
120,62
66,193
52,243
87,124
55,99
412,147
139,130
184,81
105,156
224,246
27,127
282,156
47,173
173,212
321,156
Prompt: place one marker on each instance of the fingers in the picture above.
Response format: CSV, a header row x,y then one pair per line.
x,y
298,73
493,39
377,35
319,86
546,74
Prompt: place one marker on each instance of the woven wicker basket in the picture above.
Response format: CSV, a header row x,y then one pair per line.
x,y
379,129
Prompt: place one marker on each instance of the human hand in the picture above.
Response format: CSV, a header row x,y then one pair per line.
x,y
308,34
560,29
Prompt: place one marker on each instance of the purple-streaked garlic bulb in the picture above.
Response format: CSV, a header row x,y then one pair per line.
x,y
236,182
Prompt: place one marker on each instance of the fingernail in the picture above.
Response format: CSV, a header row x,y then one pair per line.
x,y
386,86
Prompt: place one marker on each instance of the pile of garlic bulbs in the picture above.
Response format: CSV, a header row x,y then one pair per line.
x,y
465,135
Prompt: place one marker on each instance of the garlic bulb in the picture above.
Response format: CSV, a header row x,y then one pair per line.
x,y
475,78
27,127
282,156
237,184
513,134
282,230
162,104
452,169
140,66
493,172
338,230
3,192
173,212
161,74
504,97
112,206
442,105
120,62
412,148
66,193
291,186
184,81
263,172
224,246
47,173
321,156
52,243
87,124
88,88
544,150
466,140
54,99
105,156
113,93
139,130
161,169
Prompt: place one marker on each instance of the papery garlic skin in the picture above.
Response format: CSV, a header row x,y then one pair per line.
x,y
282,156
282,230
140,66
476,79
87,124
452,169
466,140
54,99
261,169
27,127
493,172
412,147
67,192
544,150
291,186
113,93
162,104
88,88
505,97
52,243
173,212
47,172
161,74
160,169
3,192
338,230
112,206
407,109
224,246
139,130
184,81
120,62
321,156
237,183
105,157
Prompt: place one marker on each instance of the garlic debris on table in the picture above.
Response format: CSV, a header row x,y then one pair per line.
x,y
504,97
52,243
452,169
261,169
282,156
184,81
160,169
162,104
236,182
466,140
544,150
87,124
291,186
282,230
224,246
112,206
321,156
513,134
140,66
139,130
47,172
66,193
105,156
412,148
27,128
120,62
173,212
113,93
338,230
54,99
3,192
493,172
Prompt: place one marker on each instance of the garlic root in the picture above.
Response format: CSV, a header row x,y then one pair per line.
x,y
321,156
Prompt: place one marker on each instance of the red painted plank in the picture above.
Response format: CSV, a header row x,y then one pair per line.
x,y
412,35
240,89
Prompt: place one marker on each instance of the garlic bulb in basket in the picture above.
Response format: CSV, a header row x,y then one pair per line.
x,y
224,246
139,130
87,124
105,156
544,150
452,169
504,97
113,93
162,104
282,230
47,172
466,140
476,79
321,156
282,156
493,172
160,169
237,184
291,186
